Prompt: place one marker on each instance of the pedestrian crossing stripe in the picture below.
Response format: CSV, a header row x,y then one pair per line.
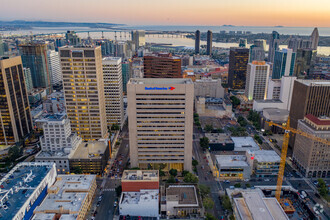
x,y
111,189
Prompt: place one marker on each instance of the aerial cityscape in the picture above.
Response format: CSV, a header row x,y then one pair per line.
x,y
141,110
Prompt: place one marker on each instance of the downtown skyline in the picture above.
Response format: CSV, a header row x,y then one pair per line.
x,y
212,12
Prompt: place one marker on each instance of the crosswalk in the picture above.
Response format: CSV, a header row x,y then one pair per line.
x,y
109,190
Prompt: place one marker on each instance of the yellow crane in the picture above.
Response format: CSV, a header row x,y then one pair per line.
x,y
285,145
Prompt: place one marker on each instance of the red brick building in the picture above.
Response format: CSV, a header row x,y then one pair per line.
x,y
135,180
162,65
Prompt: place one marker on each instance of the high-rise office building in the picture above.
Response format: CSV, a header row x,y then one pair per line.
x,y
197,41
138,38
54,66
162,65
260,43
126,69
315,39
160,119
209,43
284,62
296,43
15,116
72,38
2,49
113,90
242,42
312,157
34,57
309,97
274,45
256,53
28,79
304,63
238,60
84,90
257,80
121,49
107,47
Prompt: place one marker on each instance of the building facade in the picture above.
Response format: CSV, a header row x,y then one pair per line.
x,y
138,38
304,63
34,57
238,60
162,65
257,80
84,90
312,157
209,42
28,79
15,115
197,41
160,119
54,66
113,89
274,45
284,62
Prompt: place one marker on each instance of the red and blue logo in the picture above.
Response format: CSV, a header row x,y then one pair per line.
x,y
171,88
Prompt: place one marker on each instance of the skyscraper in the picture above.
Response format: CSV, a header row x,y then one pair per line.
x,y
84,90
54,66
256,53
2,49
197,41
315,38
209,43
238,60
162,65
260,43
242,42
160,119
72,38
296,43
138,38
28,79
309,97
257,78
304,63
34,57
274,44
15,116
126,69
113,90
284,61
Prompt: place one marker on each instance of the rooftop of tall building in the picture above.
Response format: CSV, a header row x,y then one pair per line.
x,y
144,81
322,120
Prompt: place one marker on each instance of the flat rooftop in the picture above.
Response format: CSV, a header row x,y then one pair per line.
x,y
90,150
142,197
69,192
22,181
215,138
184,194
111,60
266,156
254,206
275,114
140,175
52,117
231,160
244,144
146,81
315,82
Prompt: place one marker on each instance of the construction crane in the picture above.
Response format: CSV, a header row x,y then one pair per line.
x,y
285,145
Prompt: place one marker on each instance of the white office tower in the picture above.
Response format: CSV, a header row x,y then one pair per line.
x,y
54,66
139,39
257,80
160,120
113,90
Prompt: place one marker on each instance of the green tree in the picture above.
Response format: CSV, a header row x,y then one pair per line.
x,y
220,130
210,217
76,170
204,142
115,127
241,120
173,172
258,138
196,115
14,153
226,202
161,173
184,172
235,101
248,185
171,179
190,178
197,123
208,128
208,203
194,163
237,185
322,188
204,191
231,217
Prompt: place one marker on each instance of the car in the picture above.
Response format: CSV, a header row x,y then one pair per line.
x,y
115,204
231,187
267,180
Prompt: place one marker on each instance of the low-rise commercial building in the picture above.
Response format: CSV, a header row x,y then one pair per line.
x,y
207,87
90,157
213,107
265,163
278,116
251,204
144,203
232,167
245,144
182,201
70,196
220,142
135,180
24,187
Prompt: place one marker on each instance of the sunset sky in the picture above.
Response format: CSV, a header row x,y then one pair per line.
x,y
305,13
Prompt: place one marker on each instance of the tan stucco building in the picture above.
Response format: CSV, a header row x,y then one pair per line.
x,y
160,118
